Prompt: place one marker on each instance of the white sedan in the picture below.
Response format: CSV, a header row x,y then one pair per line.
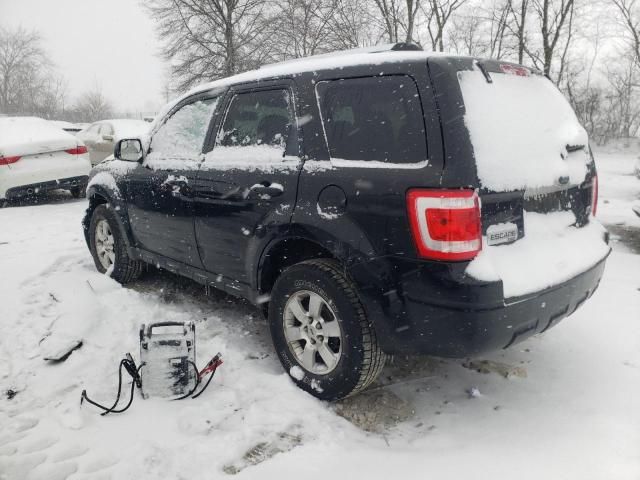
x,y
36,156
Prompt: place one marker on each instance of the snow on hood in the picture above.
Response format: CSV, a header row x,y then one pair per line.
x,y
32,135
520,128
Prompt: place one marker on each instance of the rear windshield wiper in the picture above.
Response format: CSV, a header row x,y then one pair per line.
x,y
484,71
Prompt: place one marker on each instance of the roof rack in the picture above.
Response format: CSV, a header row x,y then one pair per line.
x,y
388,47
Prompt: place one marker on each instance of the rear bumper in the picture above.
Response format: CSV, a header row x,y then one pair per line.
x,y
40,187
445,313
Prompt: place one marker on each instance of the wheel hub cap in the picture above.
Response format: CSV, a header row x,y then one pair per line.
x,y
312,332
104,244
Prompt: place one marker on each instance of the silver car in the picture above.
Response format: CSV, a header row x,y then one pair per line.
x,y
100,137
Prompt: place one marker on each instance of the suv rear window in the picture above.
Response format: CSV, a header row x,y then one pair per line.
x,y
373,119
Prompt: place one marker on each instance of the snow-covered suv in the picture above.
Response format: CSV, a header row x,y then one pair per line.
x,y
373,203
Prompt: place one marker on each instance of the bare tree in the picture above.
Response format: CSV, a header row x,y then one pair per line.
x,y
354,24
519,16
630,20
209,39
554,18
399,18
308,24
93,106
391,13
22,63
438,14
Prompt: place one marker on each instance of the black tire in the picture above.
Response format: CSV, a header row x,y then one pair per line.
x,y
124,268
361,359
78,192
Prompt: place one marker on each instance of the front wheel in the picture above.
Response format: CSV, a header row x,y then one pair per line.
x,y
320,331
108,247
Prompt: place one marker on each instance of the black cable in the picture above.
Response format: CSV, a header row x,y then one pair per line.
x,y
195,367
213,372
130,366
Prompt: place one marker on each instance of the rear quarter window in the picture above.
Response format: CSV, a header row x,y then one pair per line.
x,y
373,119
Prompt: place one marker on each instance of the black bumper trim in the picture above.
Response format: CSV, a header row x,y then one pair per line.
x,y
35,188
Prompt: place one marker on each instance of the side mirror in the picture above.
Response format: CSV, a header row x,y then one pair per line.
x,y
129,150
107,138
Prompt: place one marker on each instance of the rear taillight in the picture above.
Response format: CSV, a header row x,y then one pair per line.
x,y
594,195
8,160
445,223
79,150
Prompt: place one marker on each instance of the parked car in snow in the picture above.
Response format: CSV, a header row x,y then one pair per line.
x,y
67,126
36,156
373,203
100,137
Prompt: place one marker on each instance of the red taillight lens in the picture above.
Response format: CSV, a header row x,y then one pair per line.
x,y
445,223
8,160
594,195
79,150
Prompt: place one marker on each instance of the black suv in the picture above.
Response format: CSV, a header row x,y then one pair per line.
x,y
353,198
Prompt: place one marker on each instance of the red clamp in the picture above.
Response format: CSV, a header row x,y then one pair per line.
x,y
214,363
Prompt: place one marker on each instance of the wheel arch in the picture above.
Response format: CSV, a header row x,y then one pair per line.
x,y
283,253
100,195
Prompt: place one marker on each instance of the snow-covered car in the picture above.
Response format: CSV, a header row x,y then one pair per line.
x,y
67,126
636,168
36,156
100,137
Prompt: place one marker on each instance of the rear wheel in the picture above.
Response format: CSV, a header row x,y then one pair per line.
x,y
77,192
320,331
108,247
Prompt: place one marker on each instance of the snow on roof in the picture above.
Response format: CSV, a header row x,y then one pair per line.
x,y
342,59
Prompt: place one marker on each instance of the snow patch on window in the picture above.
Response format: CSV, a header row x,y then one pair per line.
x,y
520,129
340,162
266,158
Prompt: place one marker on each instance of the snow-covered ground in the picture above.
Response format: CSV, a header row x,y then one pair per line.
x,y
569,409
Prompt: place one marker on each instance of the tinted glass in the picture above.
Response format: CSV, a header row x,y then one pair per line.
x,y
375,118
182,135
258,118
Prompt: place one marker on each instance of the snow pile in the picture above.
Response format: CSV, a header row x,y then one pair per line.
x,y
266,158
551,252
520,129
577,403
32,135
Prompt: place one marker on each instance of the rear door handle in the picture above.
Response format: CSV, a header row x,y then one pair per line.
x,y
267,188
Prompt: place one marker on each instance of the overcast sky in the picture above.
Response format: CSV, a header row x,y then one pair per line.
x,y
110,43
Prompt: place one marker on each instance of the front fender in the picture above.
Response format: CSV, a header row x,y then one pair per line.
x,y
100,193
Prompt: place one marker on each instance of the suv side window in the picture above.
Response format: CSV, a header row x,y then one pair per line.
x,y
373,119
258,119
182,134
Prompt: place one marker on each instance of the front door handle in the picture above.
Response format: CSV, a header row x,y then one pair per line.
x,y
267,189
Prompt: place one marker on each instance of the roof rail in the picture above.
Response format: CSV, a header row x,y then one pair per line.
x,y
388,47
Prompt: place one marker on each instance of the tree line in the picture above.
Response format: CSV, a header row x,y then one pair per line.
x,y
30,85
589,48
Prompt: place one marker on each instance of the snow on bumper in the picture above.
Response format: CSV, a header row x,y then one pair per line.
x,y
551,252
